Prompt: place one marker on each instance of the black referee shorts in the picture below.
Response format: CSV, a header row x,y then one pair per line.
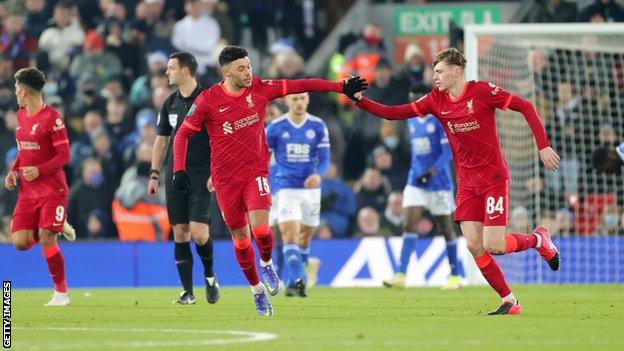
x,y
194,206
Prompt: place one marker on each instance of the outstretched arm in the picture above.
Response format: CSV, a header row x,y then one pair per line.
x,y
404,111
547,154
295,86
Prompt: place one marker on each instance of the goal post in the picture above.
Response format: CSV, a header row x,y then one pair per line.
x,y
574,74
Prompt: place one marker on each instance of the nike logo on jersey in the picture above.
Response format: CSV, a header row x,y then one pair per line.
x,y
446,112
223,108
56,224
264,194
492,217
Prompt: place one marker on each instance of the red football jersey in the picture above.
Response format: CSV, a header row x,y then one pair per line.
x,y
38,138
235,125
470,124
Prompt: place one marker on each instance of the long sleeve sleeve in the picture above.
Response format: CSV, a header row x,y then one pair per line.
x,y
59,160
294,86
533,119
180,145
404,111
323,160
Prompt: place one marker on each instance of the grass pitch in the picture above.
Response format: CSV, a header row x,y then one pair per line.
x,y
570,317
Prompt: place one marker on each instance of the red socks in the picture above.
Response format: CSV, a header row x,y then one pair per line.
x,y
519,242
56,266
246,260
264,241
493,274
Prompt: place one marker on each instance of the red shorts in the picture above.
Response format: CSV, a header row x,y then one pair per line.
x,y
237,199
488,204
47,213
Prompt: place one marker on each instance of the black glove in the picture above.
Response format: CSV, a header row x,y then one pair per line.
x,y
181,182
354,85
424,178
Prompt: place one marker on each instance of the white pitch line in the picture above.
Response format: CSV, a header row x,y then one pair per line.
x,y
244,337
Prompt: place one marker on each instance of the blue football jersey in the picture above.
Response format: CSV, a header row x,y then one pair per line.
x,y
430,148
299,150
620,150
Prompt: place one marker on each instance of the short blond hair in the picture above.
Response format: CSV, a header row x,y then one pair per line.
x,y
450,56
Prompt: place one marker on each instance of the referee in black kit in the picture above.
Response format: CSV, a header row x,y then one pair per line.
x,y
188,212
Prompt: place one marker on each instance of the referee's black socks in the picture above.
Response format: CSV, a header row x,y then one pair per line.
x,y
205,253
184,262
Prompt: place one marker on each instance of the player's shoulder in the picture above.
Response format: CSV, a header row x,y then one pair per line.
x,y
315,119
51,115
279,121
484,86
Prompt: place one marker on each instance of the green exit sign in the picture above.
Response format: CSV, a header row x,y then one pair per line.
x,y
434,20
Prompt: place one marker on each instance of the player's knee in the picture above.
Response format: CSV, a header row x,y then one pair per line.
x,y
475,248
261,230
200,237
495,248
21,245
241,243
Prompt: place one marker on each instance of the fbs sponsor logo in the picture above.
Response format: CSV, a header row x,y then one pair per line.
x,y
227,128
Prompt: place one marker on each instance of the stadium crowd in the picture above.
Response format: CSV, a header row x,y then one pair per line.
x,y
105,63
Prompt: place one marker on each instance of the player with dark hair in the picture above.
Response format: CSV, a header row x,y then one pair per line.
x,y
609,159
233,114
466,111
188,212
38,173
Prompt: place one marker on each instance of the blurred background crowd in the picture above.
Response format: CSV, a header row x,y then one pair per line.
x,y
105,63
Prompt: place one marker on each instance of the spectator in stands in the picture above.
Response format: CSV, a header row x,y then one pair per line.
x,y
387,90
384,161
337,204
551,11
368,224
393,218
145,132
94,62
610,221
565,222
139,216
414,65
97,225
62,37
6,71
118,121
7,132
86,97
140,92
602,11
8,198
520,222
110,160
197,33
372,190
15,42
36,17
565,131
87,195
362,57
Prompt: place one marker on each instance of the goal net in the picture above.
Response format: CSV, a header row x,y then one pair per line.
x,y
574,74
